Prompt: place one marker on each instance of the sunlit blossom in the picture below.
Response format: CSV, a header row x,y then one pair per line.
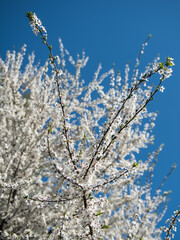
x,y
161,89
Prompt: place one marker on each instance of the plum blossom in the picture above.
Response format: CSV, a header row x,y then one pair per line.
x,y
161,89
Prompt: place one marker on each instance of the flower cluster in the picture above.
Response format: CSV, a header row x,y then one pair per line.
x,y
36,24
165,71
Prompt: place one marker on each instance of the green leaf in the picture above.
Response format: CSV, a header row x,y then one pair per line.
x,y
161,65
90,196
26,105
135,164
29,15
50,128
99,213
105,227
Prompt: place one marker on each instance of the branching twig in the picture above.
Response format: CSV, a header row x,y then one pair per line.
x,y
125,125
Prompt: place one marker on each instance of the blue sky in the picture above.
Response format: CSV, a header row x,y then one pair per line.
x,y
111,31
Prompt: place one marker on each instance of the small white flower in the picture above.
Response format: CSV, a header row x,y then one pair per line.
x,y
169,70
161,71
162,89
168,75
60,72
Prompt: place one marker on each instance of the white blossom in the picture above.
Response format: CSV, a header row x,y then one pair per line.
x,y
161,89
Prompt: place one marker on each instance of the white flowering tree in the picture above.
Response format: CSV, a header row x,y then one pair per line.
x,y
69,151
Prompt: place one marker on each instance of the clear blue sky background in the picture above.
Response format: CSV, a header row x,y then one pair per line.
x,y
111,31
